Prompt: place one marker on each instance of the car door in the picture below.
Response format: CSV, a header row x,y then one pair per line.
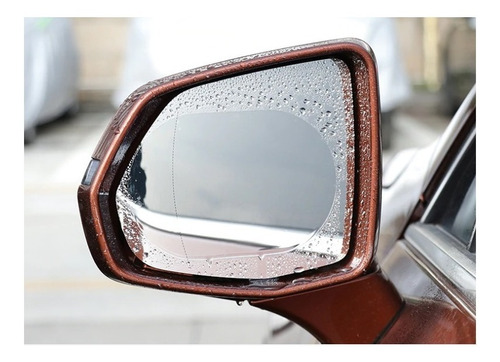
x,y
433,264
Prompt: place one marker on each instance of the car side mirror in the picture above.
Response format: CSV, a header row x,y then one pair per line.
x,y
253,178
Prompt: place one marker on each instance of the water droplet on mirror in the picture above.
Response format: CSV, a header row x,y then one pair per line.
x,y
305,95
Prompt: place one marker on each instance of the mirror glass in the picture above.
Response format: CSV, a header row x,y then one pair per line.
x,y
247,177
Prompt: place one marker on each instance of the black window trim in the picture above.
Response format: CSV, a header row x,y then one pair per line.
x,y
426,217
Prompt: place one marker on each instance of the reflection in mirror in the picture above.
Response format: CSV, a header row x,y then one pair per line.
x,y
247,177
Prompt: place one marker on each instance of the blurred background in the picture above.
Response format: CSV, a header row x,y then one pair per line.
x,y
78,70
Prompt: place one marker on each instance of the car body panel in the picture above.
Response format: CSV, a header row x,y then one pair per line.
x,y
51,74
432,272
430,314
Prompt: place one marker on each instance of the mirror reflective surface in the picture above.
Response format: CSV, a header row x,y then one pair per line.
x,y
247,177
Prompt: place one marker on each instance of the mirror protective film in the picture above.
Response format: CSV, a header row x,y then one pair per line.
x,y
247,177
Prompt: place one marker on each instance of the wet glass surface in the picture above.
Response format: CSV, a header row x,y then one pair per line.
x,y
245,177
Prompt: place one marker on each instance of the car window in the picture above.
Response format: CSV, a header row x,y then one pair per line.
x,y
444,238
454,207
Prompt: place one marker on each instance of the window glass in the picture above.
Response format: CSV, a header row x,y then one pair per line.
x,y
455,207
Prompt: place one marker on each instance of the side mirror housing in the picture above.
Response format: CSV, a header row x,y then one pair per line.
x,y
254,178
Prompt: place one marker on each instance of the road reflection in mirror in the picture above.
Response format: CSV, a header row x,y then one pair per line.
x,y
247,177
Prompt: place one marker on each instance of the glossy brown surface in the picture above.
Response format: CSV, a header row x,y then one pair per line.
x,y
434,311
112,155
352,312
431,322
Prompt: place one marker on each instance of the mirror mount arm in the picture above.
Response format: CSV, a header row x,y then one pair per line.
x,y
358,311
